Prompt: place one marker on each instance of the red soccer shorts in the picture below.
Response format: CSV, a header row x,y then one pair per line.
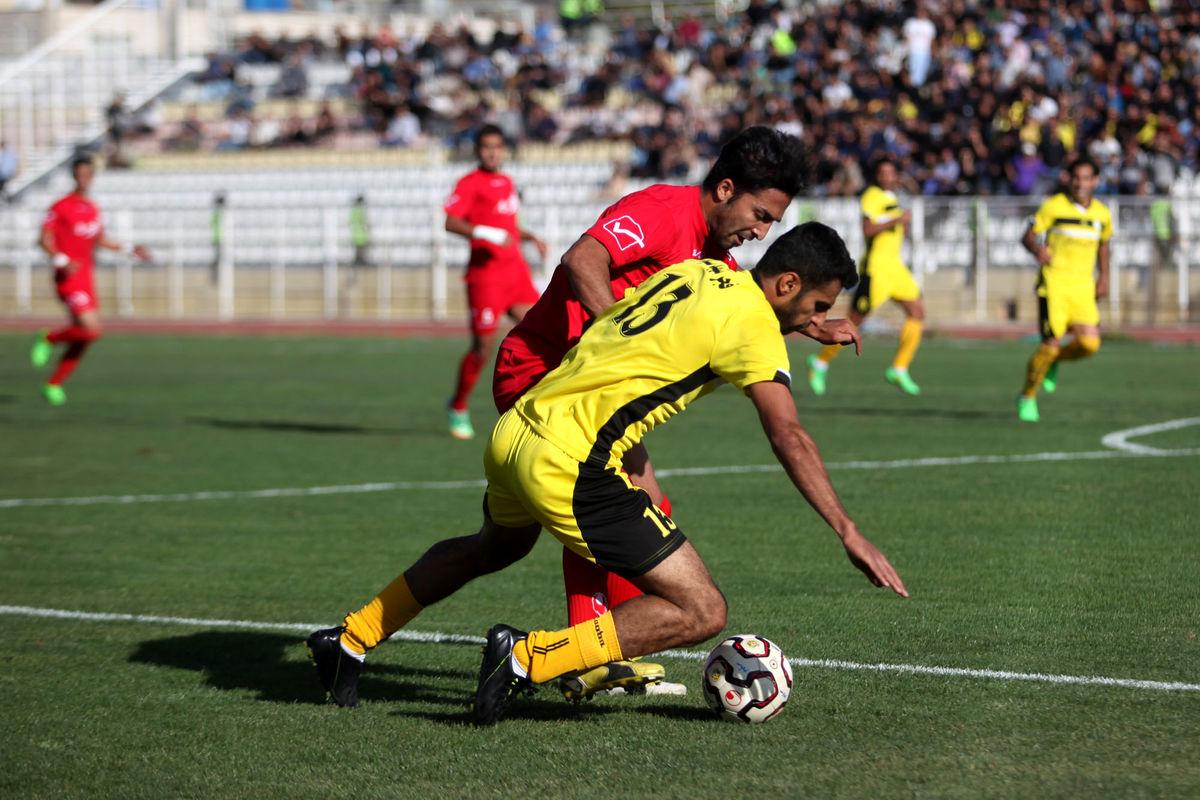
x,y
515,372
77,297
491,295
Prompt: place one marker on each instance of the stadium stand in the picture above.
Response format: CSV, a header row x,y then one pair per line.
x,y
291,126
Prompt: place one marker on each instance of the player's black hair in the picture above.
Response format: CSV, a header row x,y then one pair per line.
x,y
489,130
878,163
815,252
761,158
1081,161
80,160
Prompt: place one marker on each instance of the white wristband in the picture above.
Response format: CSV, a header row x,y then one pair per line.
x,y
61,260
126,249
497,236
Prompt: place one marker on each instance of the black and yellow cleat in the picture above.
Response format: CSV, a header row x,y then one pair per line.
x,y
338,671
618,677
500,678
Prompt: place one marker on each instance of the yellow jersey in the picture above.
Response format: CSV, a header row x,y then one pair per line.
x,y
1073,236
883,249
674,339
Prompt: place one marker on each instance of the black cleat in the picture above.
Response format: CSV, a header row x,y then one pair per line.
x,y
499,683
338,672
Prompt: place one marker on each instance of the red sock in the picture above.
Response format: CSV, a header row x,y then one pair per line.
x,y
68,362
586,590
71,333
468,373
591,589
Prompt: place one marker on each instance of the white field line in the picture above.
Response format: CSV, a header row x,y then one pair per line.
x,y
391,486
690,655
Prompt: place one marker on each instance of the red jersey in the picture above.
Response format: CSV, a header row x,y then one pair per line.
x,y
643,232
75,222
488,198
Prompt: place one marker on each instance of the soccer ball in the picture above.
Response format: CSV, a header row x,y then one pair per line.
x,y
747,678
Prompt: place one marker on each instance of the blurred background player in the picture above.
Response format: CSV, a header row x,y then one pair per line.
x,y
883,277
1077,229
70,234
483,208
748,188
217,229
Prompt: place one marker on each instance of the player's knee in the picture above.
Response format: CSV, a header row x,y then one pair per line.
x,y
1089,344
707,616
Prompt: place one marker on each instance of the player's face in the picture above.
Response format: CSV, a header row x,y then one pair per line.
x,y
83,177
740,217
1081,184
885,177
807,306
491,152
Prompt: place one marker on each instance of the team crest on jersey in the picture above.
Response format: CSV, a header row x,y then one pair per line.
x,y
626,232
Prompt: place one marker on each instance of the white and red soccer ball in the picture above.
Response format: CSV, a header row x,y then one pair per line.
x,y
747,678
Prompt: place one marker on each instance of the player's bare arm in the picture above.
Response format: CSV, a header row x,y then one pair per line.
x,y
798,454
587,264
1033,244
530,236
871,229
1102,261
111,244
460,226
57,258
834,331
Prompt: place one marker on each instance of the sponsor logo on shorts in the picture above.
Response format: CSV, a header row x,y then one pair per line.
x,y
626,232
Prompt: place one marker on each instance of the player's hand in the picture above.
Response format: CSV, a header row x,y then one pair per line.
x,y
835,331
873,563
541,248
1043,257
142,252
1102,288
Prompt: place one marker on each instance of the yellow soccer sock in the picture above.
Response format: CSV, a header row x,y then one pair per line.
x,y
829,352
545,655
910,340
1041,360
1081,347
390,611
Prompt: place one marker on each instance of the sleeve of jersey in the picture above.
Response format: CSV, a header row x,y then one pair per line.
x,y
459,201
636,231
872,207
1043,219
750,349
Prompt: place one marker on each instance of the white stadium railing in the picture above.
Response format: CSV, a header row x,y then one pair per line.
x,y
285,247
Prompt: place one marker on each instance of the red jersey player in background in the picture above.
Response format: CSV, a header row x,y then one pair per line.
x,y
748,188
483,208
70,234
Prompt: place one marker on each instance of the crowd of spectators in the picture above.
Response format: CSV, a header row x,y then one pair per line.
x,y
969,97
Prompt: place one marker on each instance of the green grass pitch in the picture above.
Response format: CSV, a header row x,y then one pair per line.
x,y
1071,563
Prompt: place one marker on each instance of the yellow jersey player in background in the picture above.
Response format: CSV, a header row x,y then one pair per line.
x,y
554,462
883,276
1076,229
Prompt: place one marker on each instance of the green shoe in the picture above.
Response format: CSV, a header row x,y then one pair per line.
x,y
816,377
901,378
1027,409
54,394
1050,382
40,353
460,424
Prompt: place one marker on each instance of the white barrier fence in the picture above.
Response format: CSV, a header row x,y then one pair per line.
x,y
299,261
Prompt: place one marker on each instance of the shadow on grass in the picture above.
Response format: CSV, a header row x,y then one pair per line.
x,y
277,425
548,706
913,413
266,663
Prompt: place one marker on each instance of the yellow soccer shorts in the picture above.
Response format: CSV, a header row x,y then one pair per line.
x,y
878,284
1062,305
595,511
